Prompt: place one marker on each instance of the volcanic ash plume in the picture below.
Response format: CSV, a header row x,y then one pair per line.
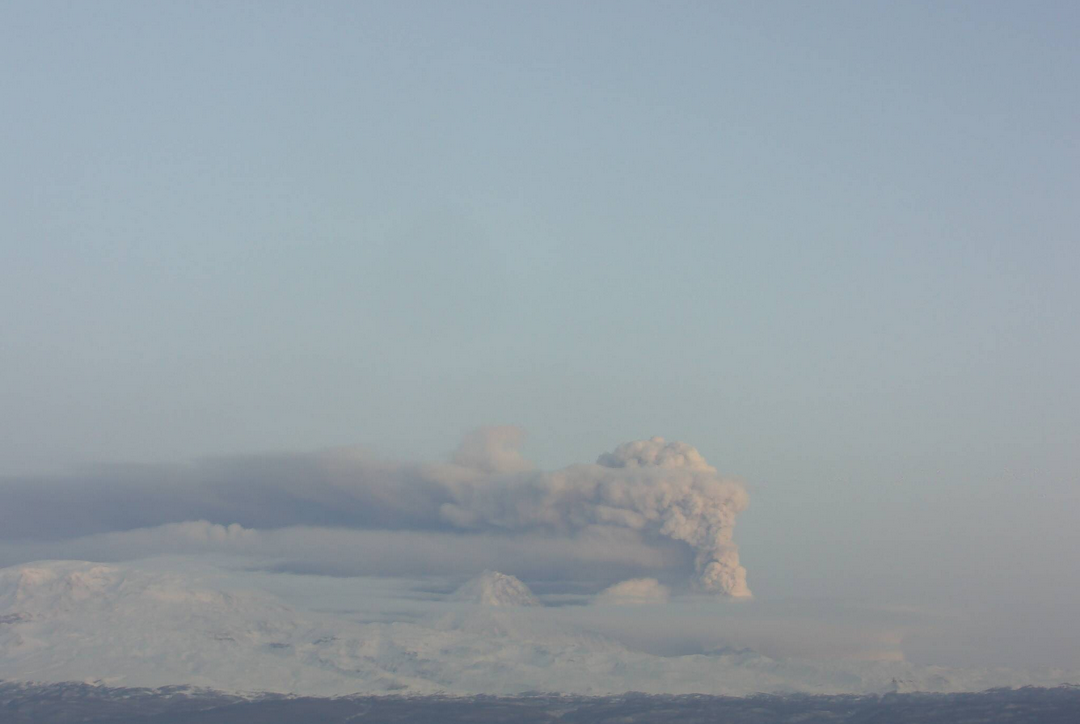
x,y
690,502
639,494
655,487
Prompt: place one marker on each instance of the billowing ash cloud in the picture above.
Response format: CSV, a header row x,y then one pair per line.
x,y
656,487
648,493
693,504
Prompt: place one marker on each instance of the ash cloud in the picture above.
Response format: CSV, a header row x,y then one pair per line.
x,y
661,489
637,507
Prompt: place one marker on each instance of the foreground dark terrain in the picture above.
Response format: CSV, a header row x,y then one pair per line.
x,y
62,703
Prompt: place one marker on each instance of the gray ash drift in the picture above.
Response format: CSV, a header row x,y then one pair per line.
x,y
628,508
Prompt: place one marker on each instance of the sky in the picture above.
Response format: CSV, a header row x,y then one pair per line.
x,y
830,245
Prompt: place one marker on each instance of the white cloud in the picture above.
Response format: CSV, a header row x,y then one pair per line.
x,y
635,591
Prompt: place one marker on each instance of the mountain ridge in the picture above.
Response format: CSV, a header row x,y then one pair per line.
x,y
150,625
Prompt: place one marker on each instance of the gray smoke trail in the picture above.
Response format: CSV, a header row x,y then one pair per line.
x,y
650,487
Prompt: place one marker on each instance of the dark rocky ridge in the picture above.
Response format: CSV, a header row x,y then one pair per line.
x,y
74,702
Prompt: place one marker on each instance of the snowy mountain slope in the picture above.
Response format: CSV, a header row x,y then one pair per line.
x,y
492,588
135,625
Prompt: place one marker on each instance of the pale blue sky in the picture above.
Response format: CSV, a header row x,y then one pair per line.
x,y
833,245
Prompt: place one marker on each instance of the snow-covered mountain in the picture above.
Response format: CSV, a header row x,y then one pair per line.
x,y
157,625
492,588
